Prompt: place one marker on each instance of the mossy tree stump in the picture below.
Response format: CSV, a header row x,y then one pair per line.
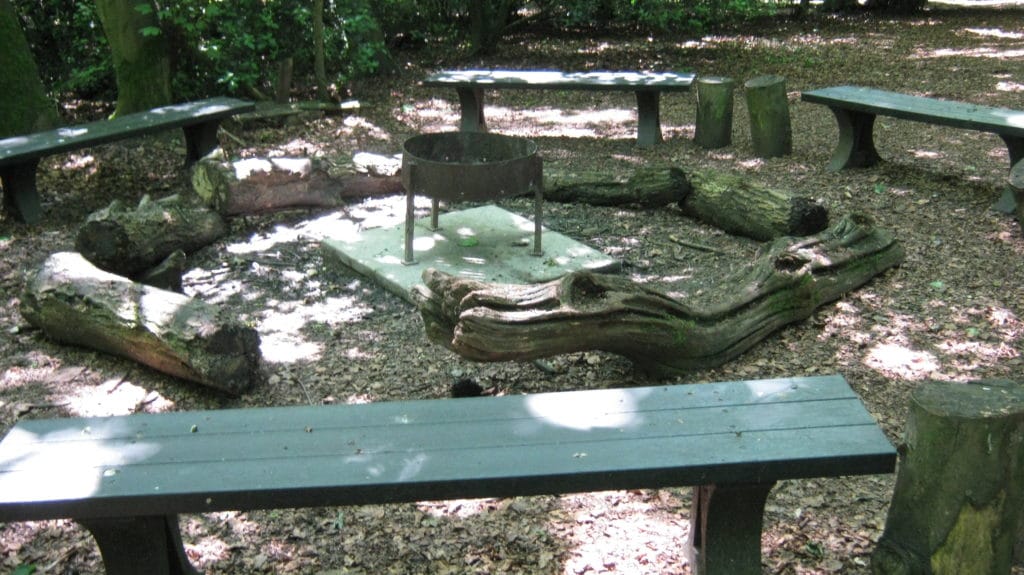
x,y
714,111
960,489
770,130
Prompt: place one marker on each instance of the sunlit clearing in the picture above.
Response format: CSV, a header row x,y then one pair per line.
x,y
115,397
281,338
77,463
995,32
604,408
461,508
623,532
896,360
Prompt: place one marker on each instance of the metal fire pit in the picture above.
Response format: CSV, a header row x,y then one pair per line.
x,y
469,166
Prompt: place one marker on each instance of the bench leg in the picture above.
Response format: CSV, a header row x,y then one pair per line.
x,y
134,545
648,107
20,195
1016,147
856,147
725,529
200,140
471,101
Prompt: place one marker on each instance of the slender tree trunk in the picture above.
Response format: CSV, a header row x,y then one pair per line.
x,y
319,66
24,106
139,49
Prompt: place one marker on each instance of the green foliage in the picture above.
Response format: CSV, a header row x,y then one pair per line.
x,y
24,569
688,16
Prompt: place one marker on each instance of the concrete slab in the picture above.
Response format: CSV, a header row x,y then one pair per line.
x,y
485,243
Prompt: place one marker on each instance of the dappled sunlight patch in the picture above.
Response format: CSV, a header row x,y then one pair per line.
x,y
357,126
1007,86
901,361
995,33
115,396
207,551
461,508
281,337
981,52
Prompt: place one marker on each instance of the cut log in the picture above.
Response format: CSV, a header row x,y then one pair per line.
x,y
582,311
646,187
74,302
714,111
261,185
741,207
129,242
770,130
959,493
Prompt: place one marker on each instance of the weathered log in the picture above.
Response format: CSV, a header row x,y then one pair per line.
x,y
960,489
741,207
770,130
646,187
74,302
714,111
261,185
788,280
130,241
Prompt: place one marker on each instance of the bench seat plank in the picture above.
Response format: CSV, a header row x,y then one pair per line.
x,y
19,155
856,107
647,86
159,464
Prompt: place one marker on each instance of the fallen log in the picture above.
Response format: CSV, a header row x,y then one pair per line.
x,y
262,185
130,241
728,201
957,505
739,206
74,302
788,280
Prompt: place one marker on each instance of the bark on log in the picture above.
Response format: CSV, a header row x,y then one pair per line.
x,y
74,302
741,207
714,111
129,241
646,187
259,185
960,489
770,130
788,280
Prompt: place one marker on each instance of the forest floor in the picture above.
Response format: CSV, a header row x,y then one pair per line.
x,y
954,310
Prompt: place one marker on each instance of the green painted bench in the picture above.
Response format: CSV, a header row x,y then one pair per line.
x,y
648,86
20,155
856,107
127,478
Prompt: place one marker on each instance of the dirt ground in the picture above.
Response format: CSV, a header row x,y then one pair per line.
x,y
953,311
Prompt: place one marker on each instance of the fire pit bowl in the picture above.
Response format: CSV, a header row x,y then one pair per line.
x,y
469,166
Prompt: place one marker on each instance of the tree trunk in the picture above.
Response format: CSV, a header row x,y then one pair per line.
x,y
24,107
139,50
788,280
959,494
129,241
714,111
256,185
770,131
741,207
487,19
283,84
319,57
73,302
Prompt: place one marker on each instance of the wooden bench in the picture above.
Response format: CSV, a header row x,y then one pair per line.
x,y
20,155
127,478
648,86
856,107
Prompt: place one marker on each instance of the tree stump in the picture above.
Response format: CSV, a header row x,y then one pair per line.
x,y
662,336
74,302
960,490
714,111
128,241
770,130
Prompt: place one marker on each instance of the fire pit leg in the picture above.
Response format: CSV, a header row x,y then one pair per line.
x,y
410,220
434,203
538,202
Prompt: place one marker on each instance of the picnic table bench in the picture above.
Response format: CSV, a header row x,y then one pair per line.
x,y
20,155
648,86
127,478
856,107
